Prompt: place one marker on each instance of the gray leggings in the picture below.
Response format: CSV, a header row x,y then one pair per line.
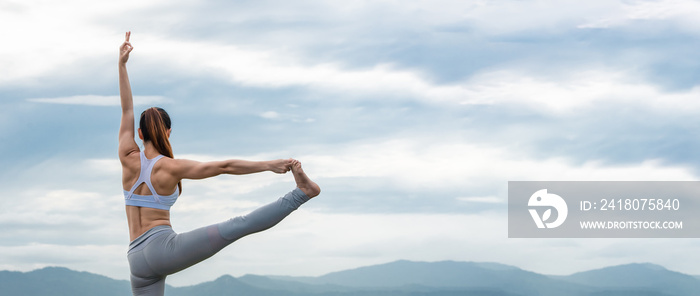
x,y
160,251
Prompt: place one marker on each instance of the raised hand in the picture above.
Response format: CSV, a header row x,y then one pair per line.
x,y
281,166
125,49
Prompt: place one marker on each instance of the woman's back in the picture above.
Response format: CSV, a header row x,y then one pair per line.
x,y
141,219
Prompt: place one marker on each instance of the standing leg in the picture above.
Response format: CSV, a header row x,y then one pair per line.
x,y
144,287
144,280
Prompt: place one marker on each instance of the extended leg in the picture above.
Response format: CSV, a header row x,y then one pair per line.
x,y
262,218
271,214
171,253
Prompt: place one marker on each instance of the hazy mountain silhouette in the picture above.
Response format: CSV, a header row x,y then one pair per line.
x,y
60,281
645,276
400,278
446,275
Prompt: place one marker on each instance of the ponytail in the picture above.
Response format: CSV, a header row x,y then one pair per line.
x,y
154,124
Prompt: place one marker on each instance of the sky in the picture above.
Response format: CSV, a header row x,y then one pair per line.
x,y
412,116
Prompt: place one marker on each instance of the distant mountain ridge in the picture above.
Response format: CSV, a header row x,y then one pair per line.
x,y
60,281
399,278
638,275
444,275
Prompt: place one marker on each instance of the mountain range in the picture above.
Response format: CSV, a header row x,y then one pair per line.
x,y
399,278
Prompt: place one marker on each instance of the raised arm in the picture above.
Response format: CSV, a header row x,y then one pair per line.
x,y
189,169
127,144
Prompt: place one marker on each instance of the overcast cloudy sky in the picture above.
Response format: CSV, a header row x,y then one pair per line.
x,y
411,115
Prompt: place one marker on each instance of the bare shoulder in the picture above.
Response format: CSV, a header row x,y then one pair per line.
x,y
127,147
171,165
164,175
130,159
131,166
179,163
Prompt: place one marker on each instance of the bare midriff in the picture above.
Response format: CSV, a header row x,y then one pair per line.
x,y
142,219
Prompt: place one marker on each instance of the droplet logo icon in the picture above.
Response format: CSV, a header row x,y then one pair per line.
x,y
543,199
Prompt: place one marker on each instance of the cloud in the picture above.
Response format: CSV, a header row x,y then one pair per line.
x,y
270,115
478,199
56,37
427,163
94,100
680,13
277,68
580,89
105,259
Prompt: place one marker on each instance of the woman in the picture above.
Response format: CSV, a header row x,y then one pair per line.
x,y
151,181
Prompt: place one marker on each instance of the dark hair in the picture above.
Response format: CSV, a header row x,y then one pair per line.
x,y
154,124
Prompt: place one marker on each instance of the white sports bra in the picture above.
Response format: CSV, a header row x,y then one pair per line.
x,y
149,201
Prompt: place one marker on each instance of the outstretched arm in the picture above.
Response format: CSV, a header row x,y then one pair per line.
x,y
190,169
127,144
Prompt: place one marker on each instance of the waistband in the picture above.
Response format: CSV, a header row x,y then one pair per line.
x,y
149,234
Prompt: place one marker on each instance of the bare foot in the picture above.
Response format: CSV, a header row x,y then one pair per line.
x,y
310,188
